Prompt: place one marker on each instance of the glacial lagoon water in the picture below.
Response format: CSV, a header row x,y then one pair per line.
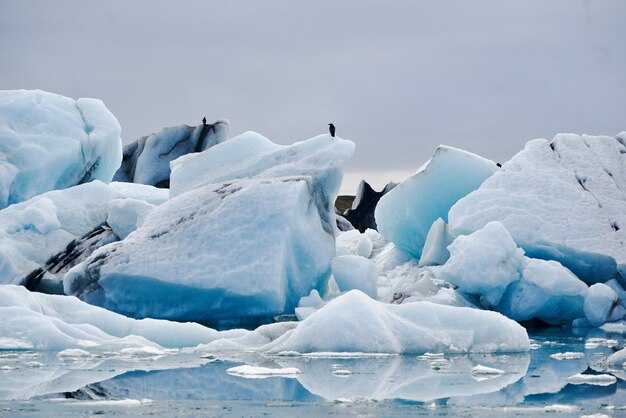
x,y
184,383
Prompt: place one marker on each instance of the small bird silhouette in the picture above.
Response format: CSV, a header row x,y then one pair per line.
x,y
204,120
331,128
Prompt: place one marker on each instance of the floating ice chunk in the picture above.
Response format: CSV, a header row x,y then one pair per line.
x,y
355,322
409,283
256,372
435,252
578,217
60,228
614,327
592,379
355,272
126,215
147,160
126,403
364,246
50,142
484,263
480,372
51,322
488,263
342,372
258,246
33,231
346,242
547,291
71,353
308,304
600,342
568,355
405,214
602,305
367,244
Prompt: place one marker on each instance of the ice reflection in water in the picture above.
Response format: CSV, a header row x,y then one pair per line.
x,y
535,380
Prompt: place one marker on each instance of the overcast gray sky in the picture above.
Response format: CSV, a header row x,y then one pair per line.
x,y
397,77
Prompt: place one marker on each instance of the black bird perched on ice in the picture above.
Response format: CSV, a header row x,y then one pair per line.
x,y
204,120
331,128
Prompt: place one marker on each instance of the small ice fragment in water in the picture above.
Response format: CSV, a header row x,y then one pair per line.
x,y
256,372
597,342
481,372
342,372
568,355
430,356
592,379
74,353
615,327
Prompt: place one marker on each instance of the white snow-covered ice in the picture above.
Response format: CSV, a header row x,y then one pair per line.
x,y
355,322
488,264
562,200
355,272
49,142
251,235
33,231
30,320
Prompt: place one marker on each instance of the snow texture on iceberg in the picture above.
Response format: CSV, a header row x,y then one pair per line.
x,y
602,304
353,322
147,160
35,230
246,249
62,227
562,200
488,264
31,320
236,251
251,155
405,214
50,142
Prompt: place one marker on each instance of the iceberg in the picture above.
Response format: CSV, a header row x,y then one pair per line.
x,y
562,200
56,230
251,235
33,231
405,214
50,142
602,304
246,250
355,272
484,263
353,322
547,291
488,264
147,160
37,321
